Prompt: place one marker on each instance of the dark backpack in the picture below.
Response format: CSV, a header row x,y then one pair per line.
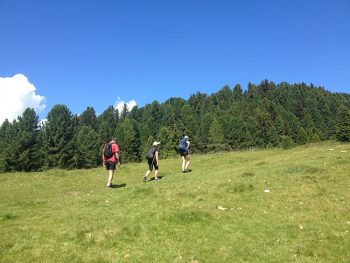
x,y
107,151
150,154
183,144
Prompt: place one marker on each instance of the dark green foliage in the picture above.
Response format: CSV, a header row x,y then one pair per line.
x,y
343,124
129,140
216,139
21,146
107,122
88,118
302,136
287,142
264,115
88,148
169,142
59,134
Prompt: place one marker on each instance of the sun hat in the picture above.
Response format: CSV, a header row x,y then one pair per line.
x,y
156,143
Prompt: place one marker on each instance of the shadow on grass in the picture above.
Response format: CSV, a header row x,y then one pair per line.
x,y
154,179
115,186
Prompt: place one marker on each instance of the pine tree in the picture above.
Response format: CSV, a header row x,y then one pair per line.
x,y
129,139
59,135
30,155
124,112
107,123
302,136
216,140
8,140
88,118
343,124
168,141
88,148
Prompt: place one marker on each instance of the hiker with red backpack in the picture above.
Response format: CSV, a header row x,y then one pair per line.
x,y
153,161
110,157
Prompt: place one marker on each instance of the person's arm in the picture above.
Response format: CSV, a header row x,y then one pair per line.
x,y
188,144
103,157
157,159
117,155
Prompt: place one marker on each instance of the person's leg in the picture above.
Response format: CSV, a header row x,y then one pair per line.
x,y
187,162
110,178
156,172
150,168
183,163
147,173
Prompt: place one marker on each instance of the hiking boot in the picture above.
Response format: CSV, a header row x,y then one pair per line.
x,y
144,179
185,171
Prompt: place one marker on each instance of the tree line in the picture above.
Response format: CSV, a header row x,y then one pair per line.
x,y
264,115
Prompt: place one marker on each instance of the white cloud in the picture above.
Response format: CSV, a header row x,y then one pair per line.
x,y
17,94
119,104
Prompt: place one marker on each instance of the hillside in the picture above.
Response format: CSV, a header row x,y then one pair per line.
x,y
217,213
263,116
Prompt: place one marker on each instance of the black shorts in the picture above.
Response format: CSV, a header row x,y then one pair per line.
x,y
110,165
152,163
183,152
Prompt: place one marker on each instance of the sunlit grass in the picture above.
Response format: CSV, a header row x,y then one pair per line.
x,y
221,212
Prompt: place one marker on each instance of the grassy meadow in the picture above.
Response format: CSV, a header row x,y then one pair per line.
x,y
251,206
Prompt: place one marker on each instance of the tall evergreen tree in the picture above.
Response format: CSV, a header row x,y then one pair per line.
x,y
30,155
129,139
343,124
88,148
216,139
302,136
168,146
59,135
88,118
107,123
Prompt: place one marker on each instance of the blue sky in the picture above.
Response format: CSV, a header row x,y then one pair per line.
x,y
90,53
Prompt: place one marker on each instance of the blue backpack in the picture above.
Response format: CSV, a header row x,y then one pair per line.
x,y
183,144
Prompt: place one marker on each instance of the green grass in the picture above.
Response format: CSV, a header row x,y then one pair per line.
x,y
68,216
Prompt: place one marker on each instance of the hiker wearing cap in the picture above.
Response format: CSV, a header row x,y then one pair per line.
x,y
110,157
153,160
184,153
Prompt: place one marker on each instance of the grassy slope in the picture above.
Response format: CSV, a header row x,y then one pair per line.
x,y
68,216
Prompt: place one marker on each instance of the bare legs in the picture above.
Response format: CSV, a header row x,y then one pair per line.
x,y
185,163
110,178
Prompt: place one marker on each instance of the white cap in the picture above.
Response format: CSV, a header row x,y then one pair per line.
x,y
186,137
156,143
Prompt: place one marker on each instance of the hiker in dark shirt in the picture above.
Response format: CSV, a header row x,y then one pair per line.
x,y
184,153
153,161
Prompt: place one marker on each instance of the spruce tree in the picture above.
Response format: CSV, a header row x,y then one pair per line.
x,y
168,141
302,136
343,124
88,118
107,123
30,155
59,135
216,139
88,148
129,139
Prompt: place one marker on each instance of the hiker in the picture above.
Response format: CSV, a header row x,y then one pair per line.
x,y
110,156
152,157
184,153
